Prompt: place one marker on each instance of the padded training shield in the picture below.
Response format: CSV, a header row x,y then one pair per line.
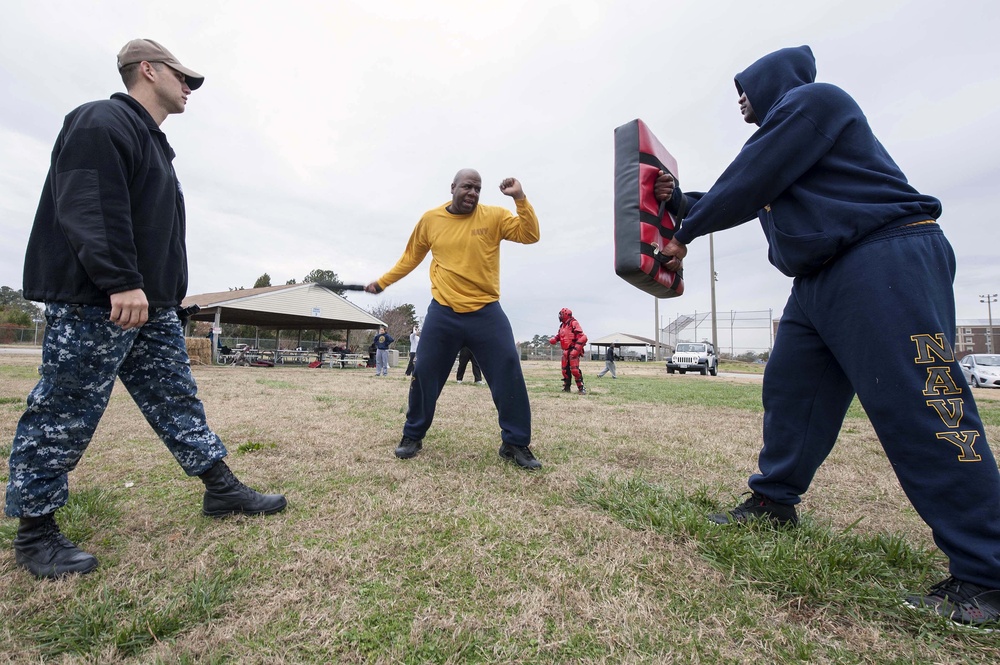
x,y
642,226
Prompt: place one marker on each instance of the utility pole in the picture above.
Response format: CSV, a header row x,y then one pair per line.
x,y
656,331
712,280
988,299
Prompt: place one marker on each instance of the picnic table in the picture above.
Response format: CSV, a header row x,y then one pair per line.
x,y
348,360
245,355
283,356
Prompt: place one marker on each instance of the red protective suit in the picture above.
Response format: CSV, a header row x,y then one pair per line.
x,y
572,338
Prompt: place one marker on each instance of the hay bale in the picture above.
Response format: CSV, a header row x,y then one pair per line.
x,y
199,350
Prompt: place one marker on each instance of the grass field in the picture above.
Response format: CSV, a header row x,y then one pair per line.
x,y
604,556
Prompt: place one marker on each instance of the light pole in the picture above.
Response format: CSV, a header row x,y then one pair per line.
x,y
988,299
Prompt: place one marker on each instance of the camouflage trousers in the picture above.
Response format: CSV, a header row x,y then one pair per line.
x,y
82,355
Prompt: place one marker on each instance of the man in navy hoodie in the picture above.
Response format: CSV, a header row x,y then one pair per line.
x,y
107,256
871,312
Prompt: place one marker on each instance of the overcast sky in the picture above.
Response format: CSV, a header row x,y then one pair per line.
x,y
325,129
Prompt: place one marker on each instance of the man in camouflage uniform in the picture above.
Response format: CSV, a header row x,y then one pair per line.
x,y
107,257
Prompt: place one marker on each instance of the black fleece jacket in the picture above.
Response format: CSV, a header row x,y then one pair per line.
x,y
111,214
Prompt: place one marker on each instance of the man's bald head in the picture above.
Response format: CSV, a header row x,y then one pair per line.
x,y
466,173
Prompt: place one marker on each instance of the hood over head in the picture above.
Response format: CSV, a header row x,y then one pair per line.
x,y
767,80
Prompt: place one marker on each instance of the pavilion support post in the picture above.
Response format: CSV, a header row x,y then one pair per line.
x,y
216,336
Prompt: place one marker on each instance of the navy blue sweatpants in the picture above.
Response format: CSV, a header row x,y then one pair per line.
x,y
488,335
880,322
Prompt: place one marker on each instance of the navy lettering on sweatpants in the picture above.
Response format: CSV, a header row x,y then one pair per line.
x,y
931,351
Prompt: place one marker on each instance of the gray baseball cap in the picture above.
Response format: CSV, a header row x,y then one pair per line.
x,y
138,50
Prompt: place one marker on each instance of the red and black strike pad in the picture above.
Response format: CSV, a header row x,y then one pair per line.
x,y
642,225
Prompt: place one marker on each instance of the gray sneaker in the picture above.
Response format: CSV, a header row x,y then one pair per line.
x,y
964,603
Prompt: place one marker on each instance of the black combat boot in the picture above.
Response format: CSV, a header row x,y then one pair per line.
x,y
566,385
41,548
226,495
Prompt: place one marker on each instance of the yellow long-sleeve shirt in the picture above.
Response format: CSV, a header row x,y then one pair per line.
x,y
465,251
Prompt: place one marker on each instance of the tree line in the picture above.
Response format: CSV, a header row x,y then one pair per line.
x,y
15,310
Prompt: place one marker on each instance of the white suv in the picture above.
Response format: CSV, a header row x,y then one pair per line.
x,y
694,357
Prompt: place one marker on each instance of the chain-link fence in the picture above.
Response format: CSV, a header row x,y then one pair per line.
x,y
737,333
11,334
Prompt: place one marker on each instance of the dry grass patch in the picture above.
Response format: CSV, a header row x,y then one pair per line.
x,y
455,556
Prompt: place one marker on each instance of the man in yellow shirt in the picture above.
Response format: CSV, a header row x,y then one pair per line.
x,y
463,238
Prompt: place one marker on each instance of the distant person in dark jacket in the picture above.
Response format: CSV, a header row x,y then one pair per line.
x,y
609,363
107,256
341,351
872,312
464,358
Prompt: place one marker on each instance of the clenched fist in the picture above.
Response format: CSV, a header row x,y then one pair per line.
x,y
512,188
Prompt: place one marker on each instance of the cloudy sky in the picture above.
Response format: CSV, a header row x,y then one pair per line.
x,y
324,129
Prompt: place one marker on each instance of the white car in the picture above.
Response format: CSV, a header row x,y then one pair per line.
x,y
982,370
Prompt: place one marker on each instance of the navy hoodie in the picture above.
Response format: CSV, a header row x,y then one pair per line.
x,y
814,173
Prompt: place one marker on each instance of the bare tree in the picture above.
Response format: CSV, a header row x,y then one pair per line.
x,y
399,320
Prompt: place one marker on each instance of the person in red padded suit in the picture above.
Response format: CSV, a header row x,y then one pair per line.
x,y
572,338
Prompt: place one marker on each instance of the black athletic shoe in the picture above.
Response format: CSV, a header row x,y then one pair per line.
x,y
41,548
408,448
756,507
521,455
964,603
